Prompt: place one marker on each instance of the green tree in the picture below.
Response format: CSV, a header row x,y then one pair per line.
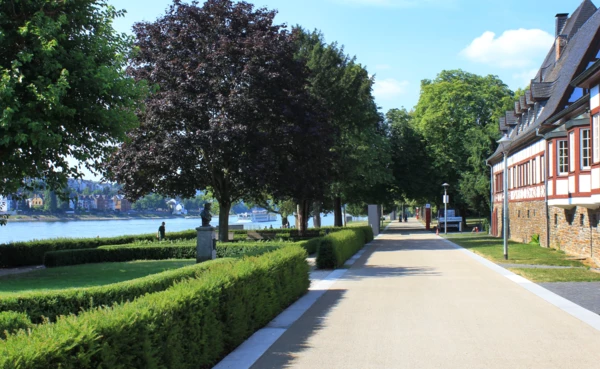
x,y
360,148
457,115
50,203
63,89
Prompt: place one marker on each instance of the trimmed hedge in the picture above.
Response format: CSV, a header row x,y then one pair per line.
x,y
18,254
239,249
12,321
311,246
338,247
117,254
191,325
51,304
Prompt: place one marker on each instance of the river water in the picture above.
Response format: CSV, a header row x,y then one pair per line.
x,y
27,231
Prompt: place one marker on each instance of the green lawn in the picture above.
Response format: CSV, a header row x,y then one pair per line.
x,y
518,253
557,275
86,275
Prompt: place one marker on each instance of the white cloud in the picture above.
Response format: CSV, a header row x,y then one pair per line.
x,y
397,3
523,79
388,89
521,48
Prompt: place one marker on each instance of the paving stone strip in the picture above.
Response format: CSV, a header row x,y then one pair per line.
x,y
538,266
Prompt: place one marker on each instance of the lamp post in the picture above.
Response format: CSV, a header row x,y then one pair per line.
x,y
505,146
445,185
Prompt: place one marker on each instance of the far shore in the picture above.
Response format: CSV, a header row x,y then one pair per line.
x,y
89,217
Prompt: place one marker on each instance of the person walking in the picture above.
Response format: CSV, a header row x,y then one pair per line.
x,y
161,232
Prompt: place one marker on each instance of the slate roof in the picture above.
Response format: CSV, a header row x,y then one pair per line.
x,y
552,82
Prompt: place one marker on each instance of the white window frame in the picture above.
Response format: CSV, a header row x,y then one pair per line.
x,y
551,160
596,137
562,157
571,151
585,149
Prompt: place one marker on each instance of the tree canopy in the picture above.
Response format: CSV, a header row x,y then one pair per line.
x,y
229,110
457,115
63,89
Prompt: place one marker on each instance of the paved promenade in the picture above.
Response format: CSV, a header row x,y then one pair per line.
x,y
414,301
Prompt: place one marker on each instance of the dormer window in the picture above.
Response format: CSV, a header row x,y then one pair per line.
x,y
576,95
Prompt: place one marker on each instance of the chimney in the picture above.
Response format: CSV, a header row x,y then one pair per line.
x,y
561,43
561,19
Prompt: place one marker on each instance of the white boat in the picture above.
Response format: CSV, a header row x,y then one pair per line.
x,y
263,216
244,218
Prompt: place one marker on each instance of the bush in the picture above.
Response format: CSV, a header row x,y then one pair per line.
x,y
12,321
240,249
117,254
311,246
51,304
191,325
535,239
32,253
338,247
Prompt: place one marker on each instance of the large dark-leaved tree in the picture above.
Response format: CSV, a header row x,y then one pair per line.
x,y
63,89
229,111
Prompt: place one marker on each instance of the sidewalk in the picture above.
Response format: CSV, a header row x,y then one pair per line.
x,y
414,301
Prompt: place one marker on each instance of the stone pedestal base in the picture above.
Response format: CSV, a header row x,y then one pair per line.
x,y
204,244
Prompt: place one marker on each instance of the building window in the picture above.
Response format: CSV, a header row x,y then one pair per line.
x,y
556,220
562,157
586,149
596,132
581,220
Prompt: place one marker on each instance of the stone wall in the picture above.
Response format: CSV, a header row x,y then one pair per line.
x,y
575,231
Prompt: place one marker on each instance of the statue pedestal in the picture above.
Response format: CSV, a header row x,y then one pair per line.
x,y
204,244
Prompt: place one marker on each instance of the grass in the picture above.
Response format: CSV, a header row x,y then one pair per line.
x,y
557,275
86,275
143,243
518,253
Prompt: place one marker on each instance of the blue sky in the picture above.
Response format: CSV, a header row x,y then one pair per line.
x,y
402,42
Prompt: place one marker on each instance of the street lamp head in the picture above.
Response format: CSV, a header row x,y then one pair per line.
x,y
445,185
504,143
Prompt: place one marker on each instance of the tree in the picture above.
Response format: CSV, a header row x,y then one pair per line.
x,y
229,108
414,176
50,204
457,115
63,91
345,88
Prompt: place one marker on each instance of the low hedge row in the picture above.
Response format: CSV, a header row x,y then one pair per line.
x,y
12,321
117,254
18,254
51,304
193,324
240,249
338,247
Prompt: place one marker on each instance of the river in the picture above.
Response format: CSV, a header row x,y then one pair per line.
x,y
27,231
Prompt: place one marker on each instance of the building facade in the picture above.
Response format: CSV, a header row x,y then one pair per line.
x,y
553,151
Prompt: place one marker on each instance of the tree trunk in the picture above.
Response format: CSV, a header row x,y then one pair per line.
x,y
317,214
344,215
302,217
337,212
297,216
224,207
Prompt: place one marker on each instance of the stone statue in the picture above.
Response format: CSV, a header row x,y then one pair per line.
x,y
205,215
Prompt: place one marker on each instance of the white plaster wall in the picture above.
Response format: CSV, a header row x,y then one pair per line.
x,y
585,183
550,188
595,97
596,178
572,188
562,186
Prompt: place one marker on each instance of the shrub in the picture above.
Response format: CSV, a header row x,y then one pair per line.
x,y
32,253
51,304
12,321
193,324
117,254
535,239
338,247
240,249
311,246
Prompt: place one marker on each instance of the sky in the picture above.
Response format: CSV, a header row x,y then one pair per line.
x,y
402,42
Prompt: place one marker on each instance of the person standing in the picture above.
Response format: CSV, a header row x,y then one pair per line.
x,y
161,232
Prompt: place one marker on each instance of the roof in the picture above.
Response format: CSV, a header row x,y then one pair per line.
x,y
551,88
